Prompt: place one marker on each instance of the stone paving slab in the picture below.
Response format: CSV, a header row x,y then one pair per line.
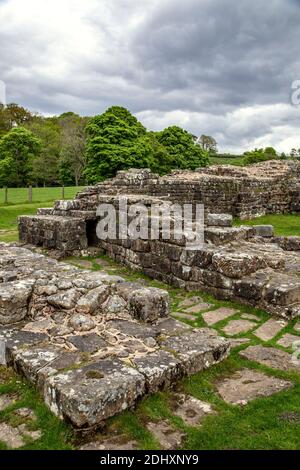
x,y
214,316
250,316
198,307
7,400
168,437
189,302
270,329
191,410
185,316
236,327
297,327
111,443
271,357
288,340
247,384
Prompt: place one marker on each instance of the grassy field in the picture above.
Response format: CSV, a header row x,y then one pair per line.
x,y
284,224
18,205
20,195
223,160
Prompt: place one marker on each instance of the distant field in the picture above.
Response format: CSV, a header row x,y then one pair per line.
x,y
223,160
20,195
18,205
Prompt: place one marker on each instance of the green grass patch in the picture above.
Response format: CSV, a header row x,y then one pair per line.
x,y
284,224
20,195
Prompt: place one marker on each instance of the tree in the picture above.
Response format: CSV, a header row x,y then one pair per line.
x,y
182,149
45,166
208,143
259,155
13,115
72,156
18,149
116,140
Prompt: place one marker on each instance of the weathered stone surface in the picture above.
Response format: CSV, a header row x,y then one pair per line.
x,y
197,350
12,339
271,357
92,302
168,437
160,370
289,340
236,342
149,304
14,297
80,322
246,385
91,394
185,316
90,343
297,327
190,301
237,265
7,400
111,443
264,230
235,327
220,220
199,307
270,329
66,299
11,436
220,314
250,316
191,410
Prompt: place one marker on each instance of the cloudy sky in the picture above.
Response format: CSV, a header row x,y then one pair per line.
x,y
218,67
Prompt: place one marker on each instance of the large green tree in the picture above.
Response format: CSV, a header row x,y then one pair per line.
x,y
13,115
18,149
116,141
180,144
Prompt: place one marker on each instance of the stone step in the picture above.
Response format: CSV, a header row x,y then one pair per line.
x,y
86,394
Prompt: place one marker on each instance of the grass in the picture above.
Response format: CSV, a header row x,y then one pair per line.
x,y
20,195
265,423
223,160
18,205
284,224
55,433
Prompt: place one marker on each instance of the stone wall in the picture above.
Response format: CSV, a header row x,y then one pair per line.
x,y
93,344
241,263
246,192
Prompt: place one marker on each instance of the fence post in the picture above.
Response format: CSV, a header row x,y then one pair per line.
x,y
30,193
5,195
63,192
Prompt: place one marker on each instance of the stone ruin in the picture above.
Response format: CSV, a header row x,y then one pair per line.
x,y
91,343
94,344
246,264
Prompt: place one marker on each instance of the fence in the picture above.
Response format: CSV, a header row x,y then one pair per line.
x,y
38,195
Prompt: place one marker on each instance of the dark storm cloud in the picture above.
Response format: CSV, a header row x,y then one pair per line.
x,y
220,67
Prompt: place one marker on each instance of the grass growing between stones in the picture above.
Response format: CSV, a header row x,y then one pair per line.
x,y
55,434
264,423
284,224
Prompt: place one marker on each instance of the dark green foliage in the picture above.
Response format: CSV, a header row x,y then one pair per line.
x,y
259,155
118,141
18,149
182,149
